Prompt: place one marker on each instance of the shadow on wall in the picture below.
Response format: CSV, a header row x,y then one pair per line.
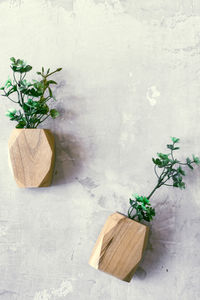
x,y
70,154
69,157
161,239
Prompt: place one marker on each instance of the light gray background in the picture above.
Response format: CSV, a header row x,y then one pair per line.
x,y
130,80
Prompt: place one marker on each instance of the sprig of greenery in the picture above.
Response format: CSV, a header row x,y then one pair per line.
x,y
169,172
32,97
141,207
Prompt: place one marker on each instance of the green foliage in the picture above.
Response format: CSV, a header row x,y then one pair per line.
x,y
142,208
171,167
54,113
169,172
19,65
32,97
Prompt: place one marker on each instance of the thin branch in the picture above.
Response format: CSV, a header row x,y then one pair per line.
x,y
185,164
24,76
156,171
40,121
172,153
50,73
17,89
9,98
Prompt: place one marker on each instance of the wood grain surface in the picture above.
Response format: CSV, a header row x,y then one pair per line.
x,y
32,157
119,247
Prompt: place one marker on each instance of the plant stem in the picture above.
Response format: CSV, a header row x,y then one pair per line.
x,y
40,121
21,100
50,73
156,187
9,97
162,179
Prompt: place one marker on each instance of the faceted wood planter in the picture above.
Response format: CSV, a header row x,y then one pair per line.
x,y
32,157
119,247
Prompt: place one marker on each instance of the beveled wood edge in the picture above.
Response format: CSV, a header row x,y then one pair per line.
x,y
51,140
129,277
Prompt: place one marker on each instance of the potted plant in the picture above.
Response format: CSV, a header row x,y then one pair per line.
x,y
31,150
121,243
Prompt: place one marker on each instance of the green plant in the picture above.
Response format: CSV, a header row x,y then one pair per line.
x,y
32,97
169,172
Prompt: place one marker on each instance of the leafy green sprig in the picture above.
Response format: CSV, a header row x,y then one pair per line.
x,y
32,97
169,172
140,208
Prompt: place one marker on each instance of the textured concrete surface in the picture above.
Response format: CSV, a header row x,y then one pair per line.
x,y
130,79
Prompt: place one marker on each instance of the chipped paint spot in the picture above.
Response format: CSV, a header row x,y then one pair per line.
x,y
152,95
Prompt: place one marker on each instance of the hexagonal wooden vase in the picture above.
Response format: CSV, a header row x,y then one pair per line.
x,y
32,157
119,247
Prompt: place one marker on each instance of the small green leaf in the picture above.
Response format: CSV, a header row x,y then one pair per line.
x,y
50,92
131,201
12,59
180,171
145,200
170,146
196,159
27,68
143,207
163,156
175,184
136,196
188,161
21,124
51,82
11,111
54,113
157,161
190,166
182,185
175,140
8,83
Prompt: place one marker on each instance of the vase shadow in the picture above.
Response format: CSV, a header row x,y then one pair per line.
x,y
161,238
69,159
70,155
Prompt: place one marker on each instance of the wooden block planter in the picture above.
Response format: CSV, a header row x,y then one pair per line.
x,y
32,157
119,247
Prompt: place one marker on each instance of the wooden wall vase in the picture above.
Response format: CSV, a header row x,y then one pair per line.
x,y
119,247
32,157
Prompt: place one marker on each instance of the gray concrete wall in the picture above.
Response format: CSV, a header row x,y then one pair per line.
x,y
130,80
